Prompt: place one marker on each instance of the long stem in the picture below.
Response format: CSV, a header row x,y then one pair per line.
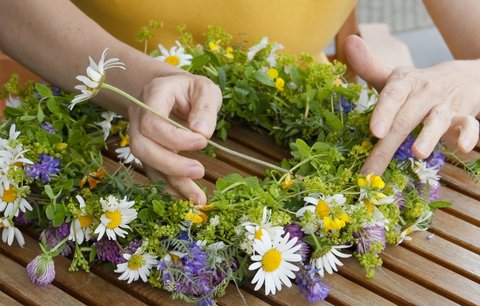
x,y
176,124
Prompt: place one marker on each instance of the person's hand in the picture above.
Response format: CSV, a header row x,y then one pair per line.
x,y
193,98
445,98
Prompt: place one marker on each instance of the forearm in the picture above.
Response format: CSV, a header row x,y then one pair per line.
x,y
458,21
55,39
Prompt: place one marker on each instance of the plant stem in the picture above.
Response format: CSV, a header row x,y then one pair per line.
x,y
176,124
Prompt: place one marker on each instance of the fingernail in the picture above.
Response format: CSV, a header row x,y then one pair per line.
x,y
199,144
201,127
195,171
379,129
422,149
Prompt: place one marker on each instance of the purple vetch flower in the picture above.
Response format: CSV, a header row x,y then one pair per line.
x,y
369,236
108,250
436,160
347,106
47,167
310,284
47,126
433,191
41,270
206,302
56,91
54,235
404,152
195,260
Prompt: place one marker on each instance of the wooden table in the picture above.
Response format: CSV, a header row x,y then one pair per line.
x,y
443,270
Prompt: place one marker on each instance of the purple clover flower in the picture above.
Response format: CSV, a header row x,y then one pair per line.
x,y
404,152
310,284
47,126
47,167
434,191
108,250
369,236
41,270
22,219
54,235
400,200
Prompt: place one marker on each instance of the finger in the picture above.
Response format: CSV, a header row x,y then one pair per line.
x,y
469,132
407,119
391,99
364,63
436,124
162,159
206,100
162,132
155,175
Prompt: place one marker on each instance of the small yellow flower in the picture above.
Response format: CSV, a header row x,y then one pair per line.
x,y
125,140
214,46
195,218
322,210
361,182
368,205
280,84
272,73
288,182
338,82
377,182
61,146
229,53
367,145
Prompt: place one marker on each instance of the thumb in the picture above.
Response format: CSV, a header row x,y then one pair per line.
x,y
364,63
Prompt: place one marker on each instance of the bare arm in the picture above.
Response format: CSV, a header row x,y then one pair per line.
x,y
458,21
54,38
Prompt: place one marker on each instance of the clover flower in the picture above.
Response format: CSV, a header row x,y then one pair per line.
x,y
45,169
10,232
41,270
177,55
95,77
310,284
117,214
369,236
54,235
274,258
108,250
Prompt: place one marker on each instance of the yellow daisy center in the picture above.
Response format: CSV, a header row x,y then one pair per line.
x,y
115,218
9,195
18,164
322,209
135,262
258,234
173,60
280,84
271,260
85,221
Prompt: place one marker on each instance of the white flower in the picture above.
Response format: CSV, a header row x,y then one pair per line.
x,y
426,175
273,259
421,224
116,217
13,101
272,57
106,124
215,220
95,77
12,201
256,231
365,101
329,261
320,205
127,156
177,55
137,266
10,232
80,229
257,48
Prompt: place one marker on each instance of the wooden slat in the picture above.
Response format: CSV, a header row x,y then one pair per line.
x,y
392,286
87,287
214,169
456,230
232,297
463,207
446,253
432,275
14,280
6,300
456,178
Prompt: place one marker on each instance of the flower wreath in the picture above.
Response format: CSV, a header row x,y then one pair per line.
x,y
297,223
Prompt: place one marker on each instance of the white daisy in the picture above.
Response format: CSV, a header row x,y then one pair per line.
x,y
255,231
127,156
137,266
95,77
116,217
13,102
80,229
12,201
272,57
426,175
328,261
257,48
106,124
177,56
10,232
320,204
273,259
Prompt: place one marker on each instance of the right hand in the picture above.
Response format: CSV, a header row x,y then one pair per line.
x,y
155,142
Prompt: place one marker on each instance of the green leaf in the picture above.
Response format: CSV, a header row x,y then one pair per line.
x,y
263,78
158,207
198,62
58,219
439,204
145,215
50,211
333,122
93,254
27,118
40,115
49,192
222,78
43,90
52,105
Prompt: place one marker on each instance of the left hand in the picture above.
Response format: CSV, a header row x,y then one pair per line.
x,y
445,98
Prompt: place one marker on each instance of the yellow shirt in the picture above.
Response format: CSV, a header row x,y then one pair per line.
x,y
301,25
